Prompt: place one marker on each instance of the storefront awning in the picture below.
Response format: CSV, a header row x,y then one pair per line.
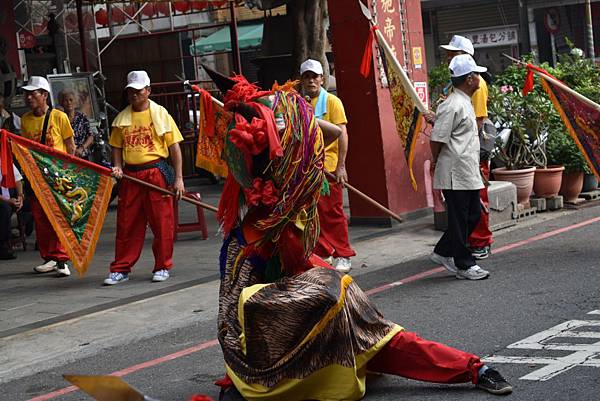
x,y
249,36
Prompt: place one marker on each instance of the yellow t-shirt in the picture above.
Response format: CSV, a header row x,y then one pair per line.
x,y
139,141
480,98
335,115
59,128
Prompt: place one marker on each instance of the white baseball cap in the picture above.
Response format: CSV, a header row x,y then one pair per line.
x,y
311,65
138,80
464,64
459,43
37,82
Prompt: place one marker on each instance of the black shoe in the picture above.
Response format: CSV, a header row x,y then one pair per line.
x,y
7,254
493,382
230,394
481,253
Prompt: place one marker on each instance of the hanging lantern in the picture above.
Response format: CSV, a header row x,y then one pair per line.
x,y
181,6
149,10
199,5
163,8
102,17
117,15
130,10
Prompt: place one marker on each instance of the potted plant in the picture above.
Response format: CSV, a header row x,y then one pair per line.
x,y
562,149
521,146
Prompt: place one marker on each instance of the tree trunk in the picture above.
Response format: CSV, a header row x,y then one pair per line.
x,y
310,40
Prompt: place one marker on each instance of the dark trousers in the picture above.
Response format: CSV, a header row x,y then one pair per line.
x,y
6,211
464,210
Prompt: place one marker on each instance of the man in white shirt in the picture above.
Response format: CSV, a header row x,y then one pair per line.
x,y
455,151
10,200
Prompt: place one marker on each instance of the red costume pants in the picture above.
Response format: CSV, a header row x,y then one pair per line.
x,y
333,239
47,240
482,235
410,356
139,206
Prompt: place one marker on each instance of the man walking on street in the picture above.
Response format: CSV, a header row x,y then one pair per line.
x,y
52,128
334,245
480,240
143,136
455,151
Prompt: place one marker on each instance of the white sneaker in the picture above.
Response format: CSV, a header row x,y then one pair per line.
x,y
62,269
447,262
472,273
46,267
160,275
343,265
116,278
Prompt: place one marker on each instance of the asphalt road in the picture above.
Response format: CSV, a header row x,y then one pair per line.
x,y
539,281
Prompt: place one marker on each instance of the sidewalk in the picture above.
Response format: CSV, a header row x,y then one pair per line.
x,y
46,321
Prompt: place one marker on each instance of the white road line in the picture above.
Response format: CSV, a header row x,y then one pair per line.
x,y
594,312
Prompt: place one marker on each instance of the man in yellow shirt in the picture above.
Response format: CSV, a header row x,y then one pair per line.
x,y
333,239
50,127
143,136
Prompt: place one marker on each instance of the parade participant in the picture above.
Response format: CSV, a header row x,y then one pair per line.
x,y
143,136
83,135
290,326
8,121
334,245
50,127
455,151
480,240
11,200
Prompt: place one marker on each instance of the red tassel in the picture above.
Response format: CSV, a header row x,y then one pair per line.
x,y
267,115
209,113
367,59
529,80
8,174
229,204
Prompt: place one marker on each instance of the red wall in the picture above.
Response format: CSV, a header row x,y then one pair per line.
x,y
375,162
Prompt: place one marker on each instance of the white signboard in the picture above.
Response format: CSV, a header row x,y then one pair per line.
x,y
493,37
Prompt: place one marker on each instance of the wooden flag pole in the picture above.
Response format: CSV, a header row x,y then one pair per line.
x,y
558,83
369,200
167,192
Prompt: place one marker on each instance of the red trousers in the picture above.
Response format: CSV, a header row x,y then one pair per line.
x,y
139,206
410,356
47,240
333,239
481,236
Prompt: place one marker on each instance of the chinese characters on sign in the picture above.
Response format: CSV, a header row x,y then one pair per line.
x,y
389,24
493,37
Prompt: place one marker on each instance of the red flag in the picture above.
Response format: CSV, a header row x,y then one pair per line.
x,y
8,174
367,59
529,79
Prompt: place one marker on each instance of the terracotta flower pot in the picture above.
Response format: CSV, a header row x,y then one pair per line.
x,y
590,183
571,186
546,182
523,180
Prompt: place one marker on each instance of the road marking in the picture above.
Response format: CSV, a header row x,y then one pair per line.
x,y
372,291
553,339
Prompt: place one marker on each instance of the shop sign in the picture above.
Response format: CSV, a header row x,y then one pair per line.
x,y
421,88
493,37
417,54
26,40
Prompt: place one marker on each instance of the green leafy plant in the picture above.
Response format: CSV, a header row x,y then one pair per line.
x,y
562,150
439,78
526,117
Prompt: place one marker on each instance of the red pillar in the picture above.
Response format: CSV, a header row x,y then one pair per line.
x,y
376,163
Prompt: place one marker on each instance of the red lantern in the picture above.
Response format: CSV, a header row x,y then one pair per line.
x,y
163,8
181,6
199,5
149,10
102,17
130,10
117,15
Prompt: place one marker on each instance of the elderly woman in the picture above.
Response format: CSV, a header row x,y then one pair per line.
x,y
84,137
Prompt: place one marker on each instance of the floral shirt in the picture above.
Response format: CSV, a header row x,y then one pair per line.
x,y
82,130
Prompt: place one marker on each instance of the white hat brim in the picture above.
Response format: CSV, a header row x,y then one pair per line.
x,y
479,69
136,86
451,48
31,88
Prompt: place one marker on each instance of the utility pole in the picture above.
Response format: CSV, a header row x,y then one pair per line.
x,y
589,30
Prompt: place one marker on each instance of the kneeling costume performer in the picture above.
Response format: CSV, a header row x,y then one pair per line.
x,y
290,327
